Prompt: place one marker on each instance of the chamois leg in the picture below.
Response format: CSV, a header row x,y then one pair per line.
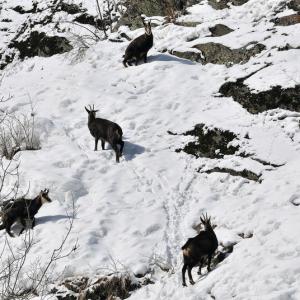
x,y
145,58
116,149
125,63
190,275
8,225
183,274
96,144
122,146
23,222
103,144
200,266
208,264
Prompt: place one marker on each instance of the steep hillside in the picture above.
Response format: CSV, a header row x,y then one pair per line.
x,y
139,213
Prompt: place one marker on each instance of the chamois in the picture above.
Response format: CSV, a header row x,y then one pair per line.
x,y
139,47
106,131
22,209
197,248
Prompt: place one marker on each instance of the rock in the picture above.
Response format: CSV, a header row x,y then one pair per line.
x,y
287,20
190,55
219,54
219,30
210,143
244,173
294,4
187,24
105,287
71,8
86,18
39,44
20,9
276,97
135,9
221,4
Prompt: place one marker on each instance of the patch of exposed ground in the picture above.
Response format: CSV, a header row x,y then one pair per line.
x,y
210,143
244,173
216,53
276,97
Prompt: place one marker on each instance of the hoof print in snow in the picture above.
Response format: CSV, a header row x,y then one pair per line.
x,y
39,44
276,97
221,4
219,30
105,287
287,20
244,173
210,143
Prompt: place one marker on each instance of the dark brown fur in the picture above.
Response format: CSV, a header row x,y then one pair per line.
x,y
21,210
138,49
196,249
106,131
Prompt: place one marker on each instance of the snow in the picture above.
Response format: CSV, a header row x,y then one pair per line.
x,y
145,206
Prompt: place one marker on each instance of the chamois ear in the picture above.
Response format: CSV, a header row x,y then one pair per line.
x,y
87,110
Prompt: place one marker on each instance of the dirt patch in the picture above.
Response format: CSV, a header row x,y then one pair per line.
x,y
210,143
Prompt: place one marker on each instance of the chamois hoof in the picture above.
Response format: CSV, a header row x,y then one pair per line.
x,y
199,273
192,282
184,285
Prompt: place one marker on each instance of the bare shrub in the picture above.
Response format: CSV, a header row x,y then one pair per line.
x,y
17,133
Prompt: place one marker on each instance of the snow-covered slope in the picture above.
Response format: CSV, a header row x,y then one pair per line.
x,y
145,207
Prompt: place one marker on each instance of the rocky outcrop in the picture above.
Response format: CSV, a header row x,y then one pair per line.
x,y
187,24
219,30
221,4
219,54
135,8
210,143
39,44
294,4
287,20
104,287
244,173
276,97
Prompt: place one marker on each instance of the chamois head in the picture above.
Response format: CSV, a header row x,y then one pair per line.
x,y
91,111
205,220
147,26
44,196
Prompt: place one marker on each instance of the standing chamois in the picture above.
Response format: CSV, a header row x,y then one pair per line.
x,y
21,210
139,47
196,249
106,131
